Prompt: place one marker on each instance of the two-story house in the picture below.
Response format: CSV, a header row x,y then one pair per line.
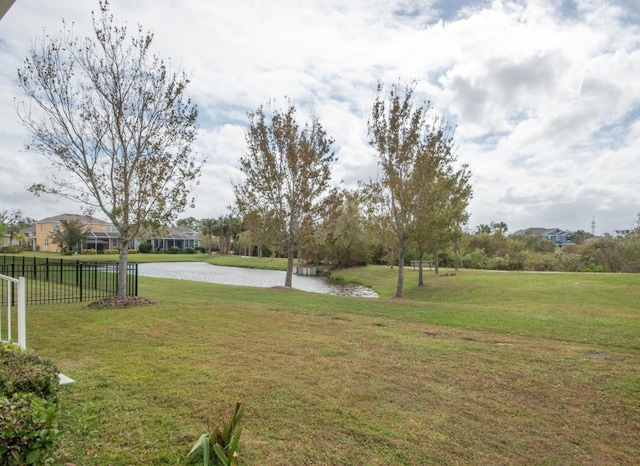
x,y
102,235
558,236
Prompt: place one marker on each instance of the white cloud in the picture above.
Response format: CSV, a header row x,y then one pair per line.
x,y
545,98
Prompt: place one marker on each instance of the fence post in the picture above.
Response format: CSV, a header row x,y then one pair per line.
x,y
22,315
79,268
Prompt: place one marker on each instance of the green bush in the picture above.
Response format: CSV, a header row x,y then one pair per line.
x,y
28,408
132,251
190,250
145,248
23,371
27,430
174,250
111,251
89,251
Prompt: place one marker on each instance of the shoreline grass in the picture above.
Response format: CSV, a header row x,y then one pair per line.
x,y
477,368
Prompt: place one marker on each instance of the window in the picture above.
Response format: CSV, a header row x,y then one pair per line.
x,y
46,241
56,226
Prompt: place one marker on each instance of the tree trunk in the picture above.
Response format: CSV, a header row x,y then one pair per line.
x,y
122,269
420,269
435,263
289,276
456,256
400,286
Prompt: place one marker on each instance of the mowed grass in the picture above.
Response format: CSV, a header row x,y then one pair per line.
x,y
476,368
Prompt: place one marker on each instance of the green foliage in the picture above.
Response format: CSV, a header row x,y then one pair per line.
x,y
477,259
605,254
111,251
145,248
226,436
287,168
89,252
190,250
24,371
28,408
70,235
174,250
27,430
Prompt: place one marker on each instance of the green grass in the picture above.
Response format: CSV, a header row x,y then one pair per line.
x,y
267,263
476,368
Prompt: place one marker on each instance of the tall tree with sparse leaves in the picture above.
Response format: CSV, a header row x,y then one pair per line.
x,y
115,122
287,168
406,137
442,204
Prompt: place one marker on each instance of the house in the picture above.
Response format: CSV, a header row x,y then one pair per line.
x,y
558,236
180,237
102,235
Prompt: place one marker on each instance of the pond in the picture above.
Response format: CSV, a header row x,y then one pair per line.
x,y
202,272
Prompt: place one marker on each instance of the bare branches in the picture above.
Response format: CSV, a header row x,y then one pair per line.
x,y
109,114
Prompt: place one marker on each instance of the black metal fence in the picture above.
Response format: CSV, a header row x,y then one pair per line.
x,y
60,280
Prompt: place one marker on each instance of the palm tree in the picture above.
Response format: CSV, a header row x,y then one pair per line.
x,y
499,228
208,229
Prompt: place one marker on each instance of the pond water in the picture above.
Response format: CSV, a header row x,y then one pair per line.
x,y
202,272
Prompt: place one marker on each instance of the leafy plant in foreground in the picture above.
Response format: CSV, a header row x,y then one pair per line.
x,y
226,442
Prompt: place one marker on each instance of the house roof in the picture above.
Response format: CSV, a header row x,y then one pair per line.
x,y
533,231
536,231
84,219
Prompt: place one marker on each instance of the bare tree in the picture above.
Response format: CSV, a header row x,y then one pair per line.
x,y
287,168
115,122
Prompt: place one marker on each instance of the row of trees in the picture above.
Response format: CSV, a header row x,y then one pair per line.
x,y
419,199
116,122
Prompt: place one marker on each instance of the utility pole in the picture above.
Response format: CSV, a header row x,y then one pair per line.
x,y
593,226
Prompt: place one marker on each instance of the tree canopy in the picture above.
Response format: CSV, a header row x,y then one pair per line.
x,y
70,235
287,168
415,152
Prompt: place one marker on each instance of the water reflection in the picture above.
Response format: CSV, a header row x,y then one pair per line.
x,y
202,272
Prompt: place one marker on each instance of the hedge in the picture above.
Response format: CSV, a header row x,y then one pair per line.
x,y
28,408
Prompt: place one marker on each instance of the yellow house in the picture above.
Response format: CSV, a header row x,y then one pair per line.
x,y
103,235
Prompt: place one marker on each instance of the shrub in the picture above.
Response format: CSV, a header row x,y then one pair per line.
x,y
110,251
27,429
23,371
89,251
475,260
190,250
28,408
132,251
145,248
174,250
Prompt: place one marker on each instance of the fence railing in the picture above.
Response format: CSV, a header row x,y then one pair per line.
x,y
60,280
6,329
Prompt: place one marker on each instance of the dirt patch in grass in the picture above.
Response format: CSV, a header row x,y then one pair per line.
x,y
120,302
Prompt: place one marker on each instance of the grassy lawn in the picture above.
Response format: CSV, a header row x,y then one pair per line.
x,y
476,368
267,263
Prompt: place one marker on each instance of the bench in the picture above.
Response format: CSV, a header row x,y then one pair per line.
x,y
424,264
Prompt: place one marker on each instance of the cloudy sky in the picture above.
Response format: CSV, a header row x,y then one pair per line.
x,y
545,94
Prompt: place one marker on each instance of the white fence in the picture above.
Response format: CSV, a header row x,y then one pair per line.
x,y
6,334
